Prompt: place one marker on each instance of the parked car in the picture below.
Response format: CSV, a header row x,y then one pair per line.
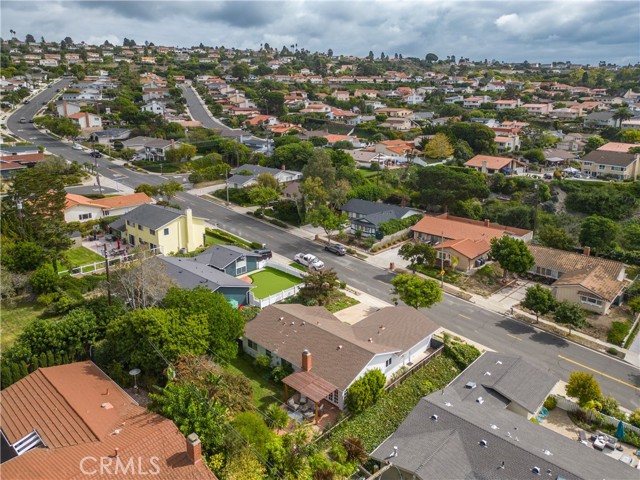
x,y
336,248
23,120
77,146
57,89
25,102
309,260
548,176
95,154
264,253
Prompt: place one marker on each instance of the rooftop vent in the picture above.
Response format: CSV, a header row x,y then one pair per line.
x,y
292,323
434,418
29,441
499,362
480,400
547,452
281,318
470,385
487,374
339,347
395,451
303,323
483,443
536,470
106,406
494,427
448,404
370,340
549,471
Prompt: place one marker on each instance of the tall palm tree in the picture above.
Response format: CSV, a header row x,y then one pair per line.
x,y
621,115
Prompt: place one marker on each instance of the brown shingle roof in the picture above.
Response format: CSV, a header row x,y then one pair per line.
x,y
340,351
79,412
565,262
596,280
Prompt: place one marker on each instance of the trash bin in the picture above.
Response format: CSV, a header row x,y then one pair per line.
x,y
392,266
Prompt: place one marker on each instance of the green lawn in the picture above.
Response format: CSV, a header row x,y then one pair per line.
x,y
298,266
217,237
270,281
14,319
80,256
265,392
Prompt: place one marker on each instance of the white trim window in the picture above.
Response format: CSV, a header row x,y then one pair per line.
x,y
590,300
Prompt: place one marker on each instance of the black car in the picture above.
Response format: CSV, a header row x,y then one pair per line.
x,y
264,253
95,154
336,248
25,102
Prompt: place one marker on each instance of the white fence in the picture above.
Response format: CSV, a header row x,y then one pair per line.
x,y
275,298
114,262
569,406
286,269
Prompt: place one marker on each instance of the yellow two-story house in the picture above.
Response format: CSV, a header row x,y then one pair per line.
x,y
168,229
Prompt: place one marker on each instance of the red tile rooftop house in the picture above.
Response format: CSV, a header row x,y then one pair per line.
x,y
72,421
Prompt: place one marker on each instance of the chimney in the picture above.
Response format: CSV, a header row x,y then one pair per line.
x,y
191,240
484,166
194,449
587,251
486,222
283,167
306,360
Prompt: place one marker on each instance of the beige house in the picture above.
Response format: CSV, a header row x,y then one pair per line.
x,y
612,159
593,282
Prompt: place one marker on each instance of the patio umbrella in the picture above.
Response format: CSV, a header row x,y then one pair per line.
x,y
620,430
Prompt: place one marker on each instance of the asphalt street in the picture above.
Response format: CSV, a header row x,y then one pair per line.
x,y
549,352
200,113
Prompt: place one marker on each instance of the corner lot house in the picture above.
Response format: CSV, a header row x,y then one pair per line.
x,y
366,216
62,422
81,209
593,282
479,427
337,354
165,228
467,240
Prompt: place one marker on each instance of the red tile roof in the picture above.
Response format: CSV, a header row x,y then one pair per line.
x,y
79,412
617,147
458,228
469,248
109,203
493,163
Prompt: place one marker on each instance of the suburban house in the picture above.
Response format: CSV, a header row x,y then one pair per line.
x,y
611,161
81,209
595,283
231,260
490,165
337,353
192,272
366,216
507,143
247,175
86,120
65,108
152,148
479,427
27,155
105,137
599,120
506,104
65,422
538,108
469,241
165,228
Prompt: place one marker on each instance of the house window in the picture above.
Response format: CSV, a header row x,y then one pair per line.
x,y
252,345
388,362
590,300
166,231
84,216
140,227
129,223
601,167
267,353
333,397
152,231
106,213
545,272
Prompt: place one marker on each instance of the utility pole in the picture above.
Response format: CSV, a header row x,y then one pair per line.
x,y
442,263
106,265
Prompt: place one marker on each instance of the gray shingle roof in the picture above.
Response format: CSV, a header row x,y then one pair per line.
x,y
239,179
365,207
256,169
605,157
190,274
220,256
450,448
150,216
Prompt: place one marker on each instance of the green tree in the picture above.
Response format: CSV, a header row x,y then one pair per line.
x,y
479,137
182,153
622,114
313,192
150,190
276,417
44,280
328,219
438,147
431,58
294,156
630,136
443,186
599,233
593,143
170,189
555,237
584,387
415,291
365,391
320,166
243,464
512,254
268,180
241,71
630,238
571,314
418,254
263,196
22,257
254,431
225,323
535,155
538,299
274,103
63,126
320,286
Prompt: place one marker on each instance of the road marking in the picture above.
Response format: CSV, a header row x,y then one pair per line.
x,y
513,336
464,316
599,373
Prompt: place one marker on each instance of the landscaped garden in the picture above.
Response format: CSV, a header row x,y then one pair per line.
x,y
265,391
79,256
270,281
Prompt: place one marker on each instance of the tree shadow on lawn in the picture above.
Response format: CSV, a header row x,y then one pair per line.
x,y
515,327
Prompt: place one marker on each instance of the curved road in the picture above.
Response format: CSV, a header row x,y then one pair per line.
x,y
548,352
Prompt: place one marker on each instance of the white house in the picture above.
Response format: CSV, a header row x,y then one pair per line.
x,y
81,209
475,102
86,120
247,175
154,107
323,350
65,108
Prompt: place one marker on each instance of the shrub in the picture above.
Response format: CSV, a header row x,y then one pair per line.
x,y
251,426
612,351
365,391
262,361
618,332
44,279
278,223
280,372
368,243
550,403
461,353
276,417
634,418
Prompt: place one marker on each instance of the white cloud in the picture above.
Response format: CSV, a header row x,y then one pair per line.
x,y
511,23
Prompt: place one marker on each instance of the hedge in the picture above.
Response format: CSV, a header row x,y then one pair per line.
x,y
395,225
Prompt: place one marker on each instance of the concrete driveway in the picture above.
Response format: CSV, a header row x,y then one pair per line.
x,y
511,295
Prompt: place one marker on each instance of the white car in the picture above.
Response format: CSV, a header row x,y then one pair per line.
x,y
309,260
77,146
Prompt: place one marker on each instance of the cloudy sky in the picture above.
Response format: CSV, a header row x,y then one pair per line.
x,y
582,31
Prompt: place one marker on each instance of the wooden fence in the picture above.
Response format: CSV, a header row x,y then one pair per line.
x,y
570,406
